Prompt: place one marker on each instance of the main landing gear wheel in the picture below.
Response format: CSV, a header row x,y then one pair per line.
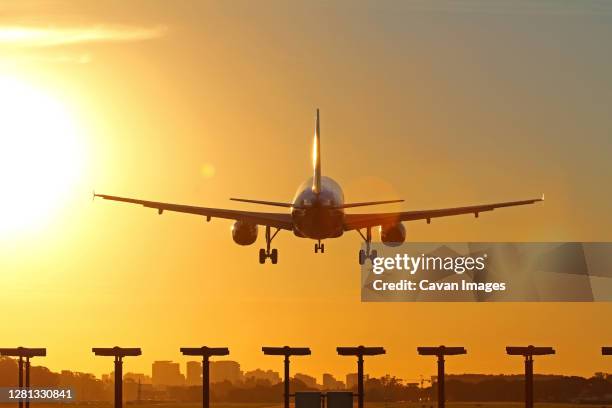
x,y
367,254
363,256
267,253
319,247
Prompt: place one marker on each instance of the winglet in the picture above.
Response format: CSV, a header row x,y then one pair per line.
x,y
542,199
316,157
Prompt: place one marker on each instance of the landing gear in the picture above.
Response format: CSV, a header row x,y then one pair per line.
x,y
367,254
267,253
362,257
319,247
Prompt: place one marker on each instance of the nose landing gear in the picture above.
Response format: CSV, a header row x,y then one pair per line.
x,y
267,253
319,247
367,254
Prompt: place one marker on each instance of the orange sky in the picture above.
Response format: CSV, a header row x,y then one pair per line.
x,y
441,104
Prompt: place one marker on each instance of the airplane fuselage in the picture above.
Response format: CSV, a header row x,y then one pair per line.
x,y
316,216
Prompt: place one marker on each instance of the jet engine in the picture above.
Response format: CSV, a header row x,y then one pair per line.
x,y
393,235
244,233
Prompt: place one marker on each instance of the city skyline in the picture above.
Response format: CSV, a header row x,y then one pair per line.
x,y
220,374
464,387
169,373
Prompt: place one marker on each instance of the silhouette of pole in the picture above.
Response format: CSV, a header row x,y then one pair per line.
x,y
118,381
286,382
27,353
360,390
440,352
205,382
287,352
27,379
606,351
441,396
205,353
118,353
529,381
528,352
20,378
360,351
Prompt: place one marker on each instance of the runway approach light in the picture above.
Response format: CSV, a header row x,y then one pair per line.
x,y
287,352
606,351
27,353
360,352
118,353
528,352
440,352
205,353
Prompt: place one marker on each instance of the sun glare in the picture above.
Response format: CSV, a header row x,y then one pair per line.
x,y
40,159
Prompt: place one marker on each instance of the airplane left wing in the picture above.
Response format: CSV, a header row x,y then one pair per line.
x,y
276,220
357,221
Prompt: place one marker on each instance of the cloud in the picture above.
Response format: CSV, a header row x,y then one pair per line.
x,y
32,36
82,58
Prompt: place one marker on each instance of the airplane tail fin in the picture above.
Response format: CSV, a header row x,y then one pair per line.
x,y
316,158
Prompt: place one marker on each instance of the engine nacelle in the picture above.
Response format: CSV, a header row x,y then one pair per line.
x,y
393,235
244,233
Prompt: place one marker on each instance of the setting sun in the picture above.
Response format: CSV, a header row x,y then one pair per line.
x,y
40,158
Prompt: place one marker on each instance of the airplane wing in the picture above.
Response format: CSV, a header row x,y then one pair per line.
x,y
357,221
276,220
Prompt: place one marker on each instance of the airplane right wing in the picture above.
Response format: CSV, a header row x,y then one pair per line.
x,y
358,221
276,220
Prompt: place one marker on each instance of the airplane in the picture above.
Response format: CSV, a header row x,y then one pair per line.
x,y
317,212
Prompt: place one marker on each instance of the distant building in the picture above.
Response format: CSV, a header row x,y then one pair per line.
x,y
271,376
85,385
194,373
138,378
225,370
131,389
308,380
351,380
330,382
167,373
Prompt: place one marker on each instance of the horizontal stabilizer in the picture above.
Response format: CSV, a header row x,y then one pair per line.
x,y
274,203
350,205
